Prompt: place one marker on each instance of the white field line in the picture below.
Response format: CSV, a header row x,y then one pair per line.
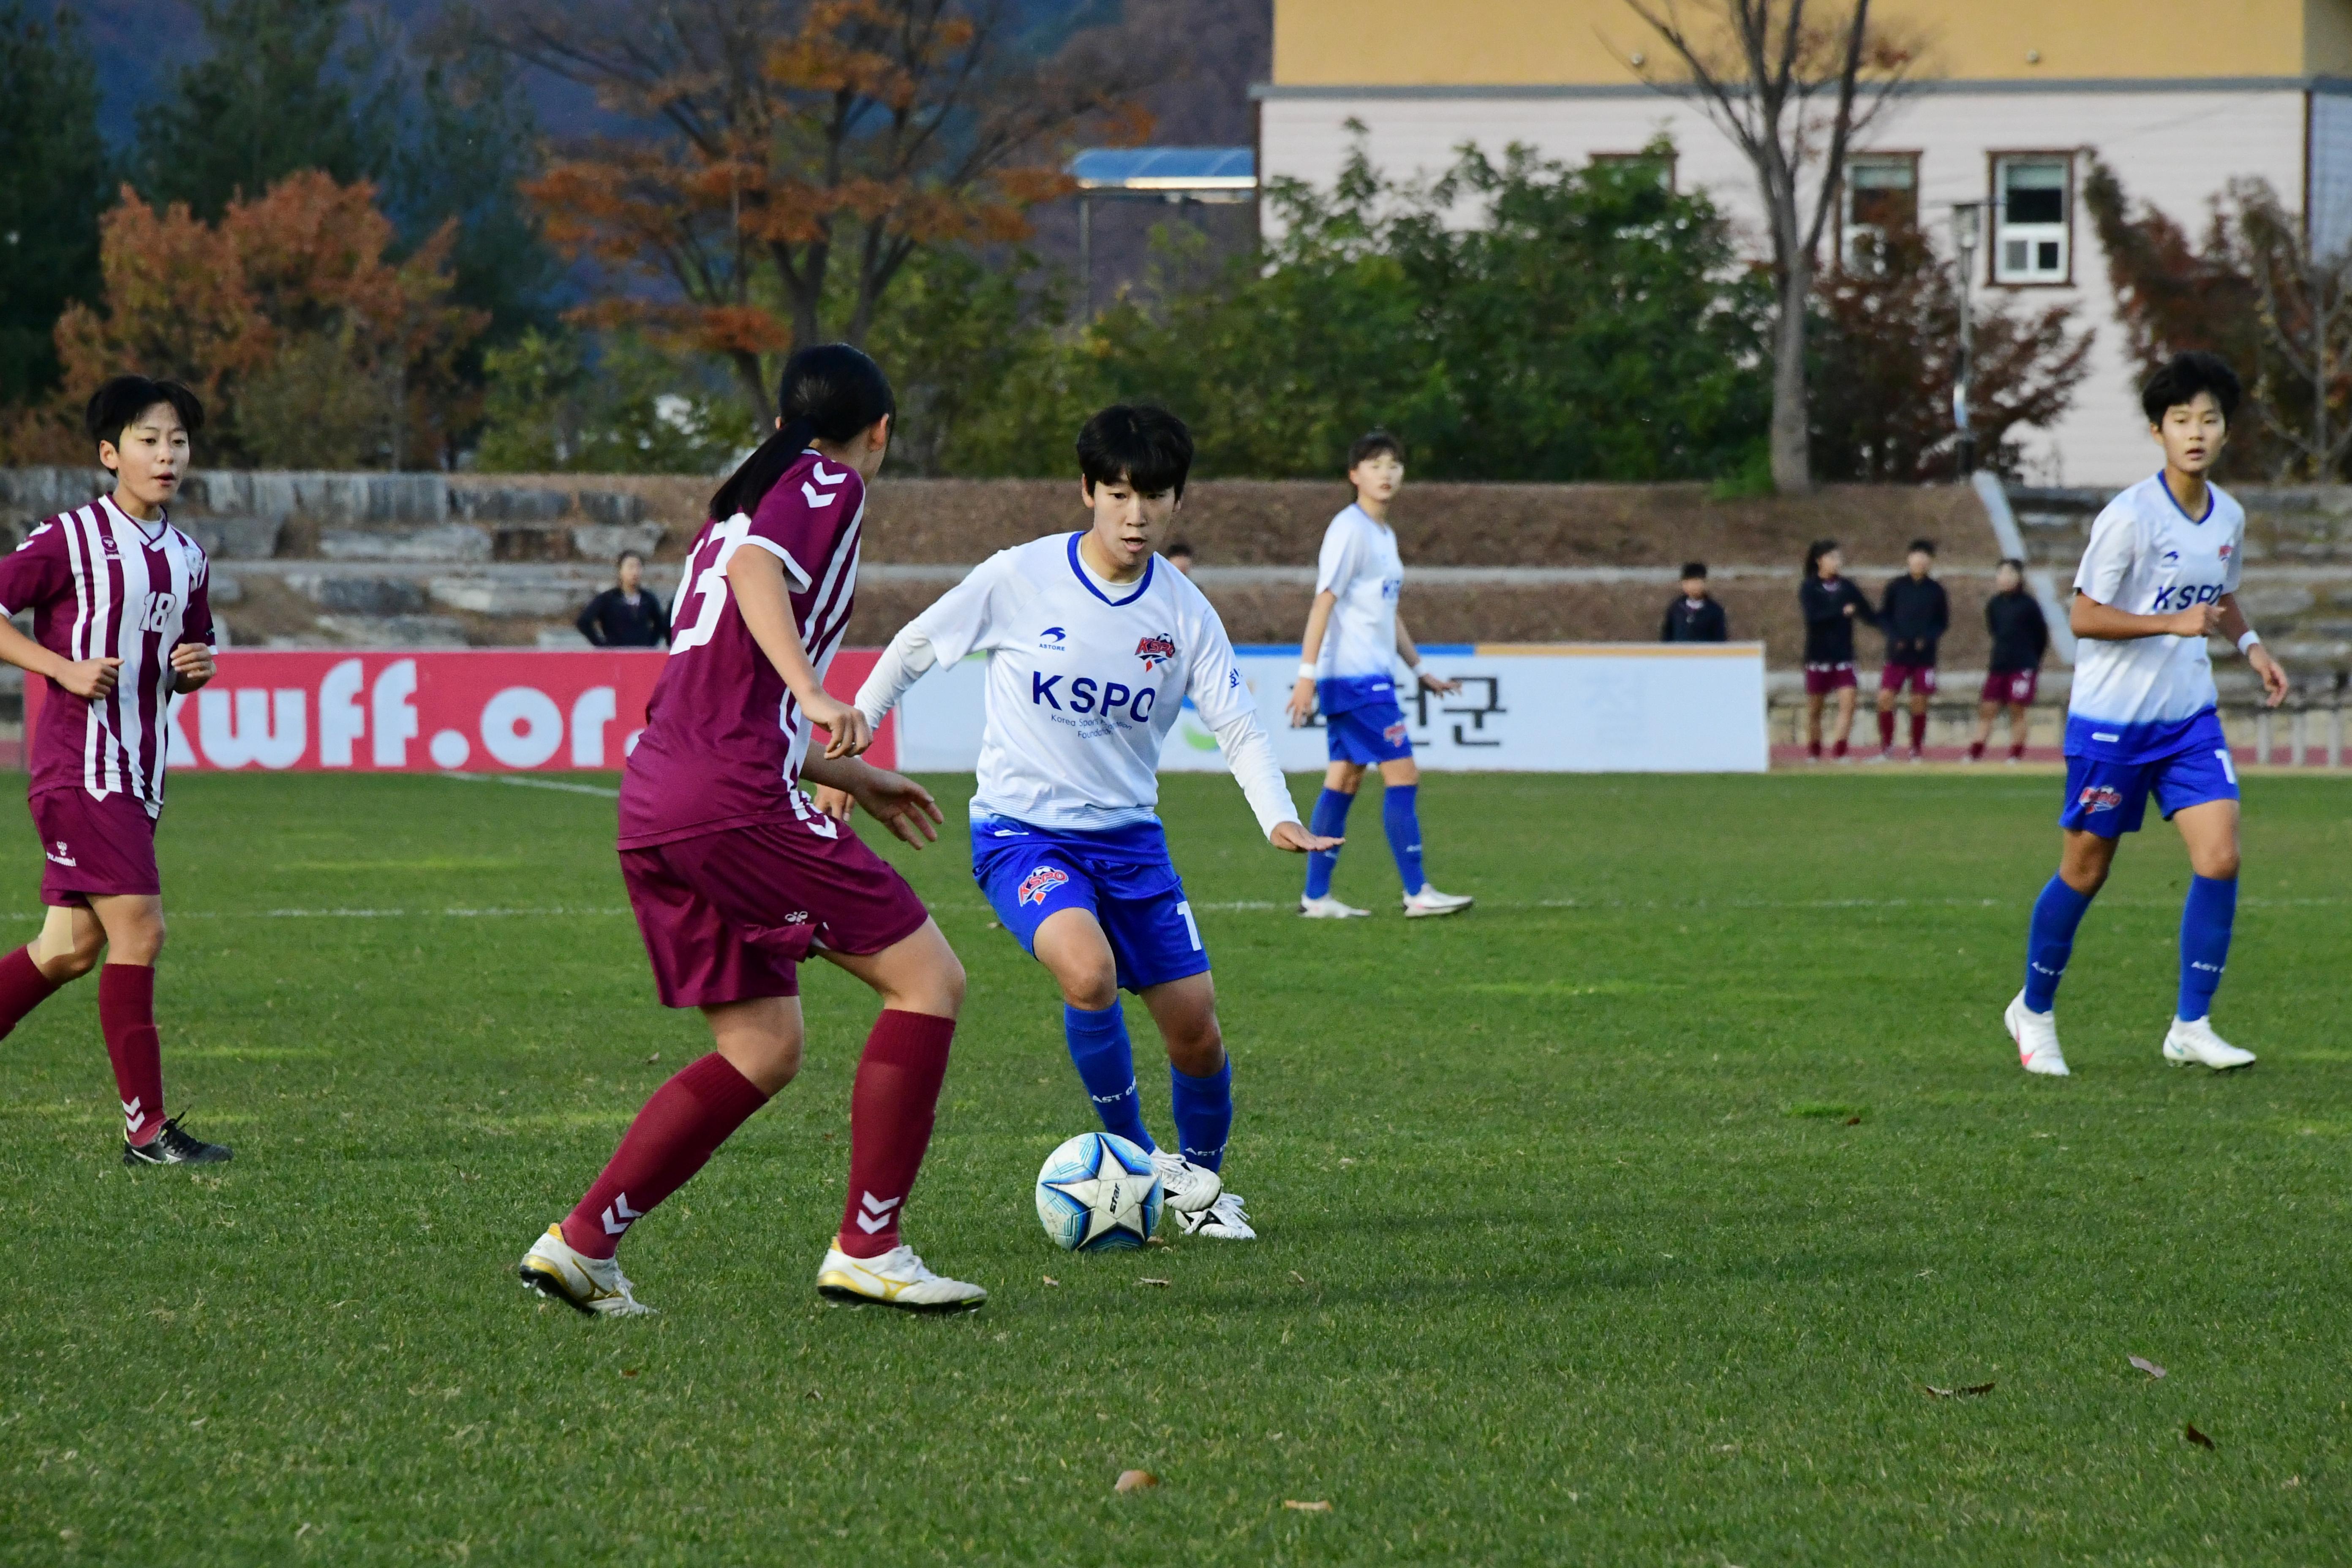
x,y
521,782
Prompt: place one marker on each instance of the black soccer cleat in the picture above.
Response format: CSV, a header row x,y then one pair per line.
x,y
174,1147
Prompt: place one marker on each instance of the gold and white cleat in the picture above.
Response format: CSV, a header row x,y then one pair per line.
x,y
592,1285
1428,901
896,1279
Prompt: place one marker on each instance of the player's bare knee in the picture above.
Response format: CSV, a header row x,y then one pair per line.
x,y
1089,986
1199,1051
2217,865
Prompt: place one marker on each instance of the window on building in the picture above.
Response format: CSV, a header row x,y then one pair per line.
x,y
2032,196
1882,192
1662,164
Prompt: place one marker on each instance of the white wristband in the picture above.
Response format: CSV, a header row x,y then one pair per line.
x,y
2249,640
1305,672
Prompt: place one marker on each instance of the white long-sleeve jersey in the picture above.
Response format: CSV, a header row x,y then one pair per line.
x,y
1086,677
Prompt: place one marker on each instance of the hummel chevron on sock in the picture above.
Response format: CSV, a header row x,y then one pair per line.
x,y
1918,732
1886,731
1330,821
1403,823
672,1138
23,987
126,1015
1106,1064
1205,1113
891,1112
2205,920
2050,942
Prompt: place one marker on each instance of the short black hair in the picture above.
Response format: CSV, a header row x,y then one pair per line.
x,y
1694,569
1813,553
1178,547
2184,376
1923,547
113,406
1370,445
626,556
1135,444
2010,561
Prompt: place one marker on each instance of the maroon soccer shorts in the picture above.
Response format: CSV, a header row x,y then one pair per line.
x,y
91,846
2016,686
1820,679
728,915
1919,678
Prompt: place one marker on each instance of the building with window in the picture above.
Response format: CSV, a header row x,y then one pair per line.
x,y
2014,100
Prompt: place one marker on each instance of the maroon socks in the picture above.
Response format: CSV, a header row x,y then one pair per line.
x,y
687,1119
1886,731
1918,733
890,1112
1976,750
126,1011
23,987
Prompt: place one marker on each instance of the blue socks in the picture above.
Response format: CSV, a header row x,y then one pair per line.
x,y
1330,821
2205,922
1105,1063
2050,942
1205,1113
1403,823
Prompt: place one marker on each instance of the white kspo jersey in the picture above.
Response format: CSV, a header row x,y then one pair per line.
x,y
1086,677
2149,557
1359,565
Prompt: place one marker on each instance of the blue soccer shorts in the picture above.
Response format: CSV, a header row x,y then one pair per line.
x,y
2110,798
1371,735
1123,877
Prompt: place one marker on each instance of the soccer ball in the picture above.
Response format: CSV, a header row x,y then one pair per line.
x,y
1097,1193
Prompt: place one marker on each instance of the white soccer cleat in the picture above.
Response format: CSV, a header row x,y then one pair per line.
x,y
1225,1220
2036,1035
2194,1041
1428,901
1327,908
592,1285
1185,1188
896,1279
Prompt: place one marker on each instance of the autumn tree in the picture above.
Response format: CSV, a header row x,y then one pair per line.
x,y
1793,85
802,151
52,185
309,347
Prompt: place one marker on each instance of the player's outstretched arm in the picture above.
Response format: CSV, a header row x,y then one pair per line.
x,y
756,578
2090,618
2235,626
907,659
91,677
896,800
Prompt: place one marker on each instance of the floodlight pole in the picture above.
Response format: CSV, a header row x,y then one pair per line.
x,y
1965,218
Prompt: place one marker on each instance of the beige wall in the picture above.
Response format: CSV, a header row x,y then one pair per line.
x,y
1356,43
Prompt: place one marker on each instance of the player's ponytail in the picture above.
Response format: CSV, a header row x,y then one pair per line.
x,y
829,393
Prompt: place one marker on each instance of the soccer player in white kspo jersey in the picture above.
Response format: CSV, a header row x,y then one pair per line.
x,y
121,620
1093,646
2161,575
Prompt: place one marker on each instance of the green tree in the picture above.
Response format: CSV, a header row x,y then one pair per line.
x,y
53,185
608,404
266,102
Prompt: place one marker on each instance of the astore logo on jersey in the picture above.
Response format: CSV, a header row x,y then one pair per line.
x,y
1053,640
2096,798
1156,650
1039,883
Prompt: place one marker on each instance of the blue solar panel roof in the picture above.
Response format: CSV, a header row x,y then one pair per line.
x,y
1165,169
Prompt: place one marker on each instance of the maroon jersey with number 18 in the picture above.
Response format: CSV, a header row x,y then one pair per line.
x,y
102,584
724,739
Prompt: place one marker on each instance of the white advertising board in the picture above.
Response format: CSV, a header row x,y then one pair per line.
x,y
1526,707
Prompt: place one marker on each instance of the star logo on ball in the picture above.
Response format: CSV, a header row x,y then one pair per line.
x,y
1112,1196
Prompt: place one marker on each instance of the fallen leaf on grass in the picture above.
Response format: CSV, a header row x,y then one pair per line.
x,y
1966,1390
1854,1121
1150,1241
1050,1279
629,1372
2146,1365
1295,1275
2189,1431
1147,1279
1134,1482
815,1394
653,1059
1315,1507
2292,1481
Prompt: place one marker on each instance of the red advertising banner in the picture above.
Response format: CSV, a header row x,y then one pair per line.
x,y
478,709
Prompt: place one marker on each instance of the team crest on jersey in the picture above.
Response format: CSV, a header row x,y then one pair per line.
x,y
2225,553
1156,650
2096,798
1039,883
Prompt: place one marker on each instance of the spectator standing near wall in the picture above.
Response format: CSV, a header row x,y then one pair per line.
x,y
629,615
1831,606
1914,613
2020,637
1695,616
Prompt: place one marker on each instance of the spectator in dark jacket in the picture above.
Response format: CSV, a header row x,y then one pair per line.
x,y
1914,614
2020,637
1695,618
1831,606
630,615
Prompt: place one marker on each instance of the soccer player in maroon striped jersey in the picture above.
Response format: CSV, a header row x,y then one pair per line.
x,y
736,877
120,622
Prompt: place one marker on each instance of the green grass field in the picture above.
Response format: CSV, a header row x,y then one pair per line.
x,y
1574,1250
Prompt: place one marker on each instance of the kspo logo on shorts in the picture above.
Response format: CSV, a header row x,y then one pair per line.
x,y
1394,734
2096,798
1087,695
2187,594
1039,883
